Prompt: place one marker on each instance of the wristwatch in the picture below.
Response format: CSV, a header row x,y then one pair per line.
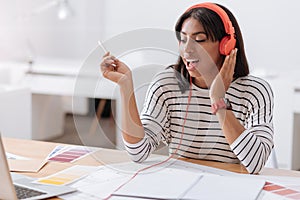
x,y
222,103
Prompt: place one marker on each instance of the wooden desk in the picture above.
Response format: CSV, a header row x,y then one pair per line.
x,y
40,150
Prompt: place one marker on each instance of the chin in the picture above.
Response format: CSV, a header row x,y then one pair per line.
x,y
194,74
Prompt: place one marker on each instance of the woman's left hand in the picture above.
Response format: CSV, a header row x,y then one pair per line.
x,y
223,79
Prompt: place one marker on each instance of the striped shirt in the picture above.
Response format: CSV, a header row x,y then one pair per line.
x,y
201,137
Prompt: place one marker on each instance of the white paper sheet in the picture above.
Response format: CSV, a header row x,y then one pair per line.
x,y
162,184
212,187
169,180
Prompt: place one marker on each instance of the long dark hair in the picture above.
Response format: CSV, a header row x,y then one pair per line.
x,y
215,30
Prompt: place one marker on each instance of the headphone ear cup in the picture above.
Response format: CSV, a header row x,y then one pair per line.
x,y
226,45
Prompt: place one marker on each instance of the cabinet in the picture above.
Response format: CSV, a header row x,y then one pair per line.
x,y
15,112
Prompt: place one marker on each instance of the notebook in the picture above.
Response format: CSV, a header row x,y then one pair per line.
x,y
21,187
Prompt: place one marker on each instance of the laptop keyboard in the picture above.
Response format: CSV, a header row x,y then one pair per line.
x,y
23,193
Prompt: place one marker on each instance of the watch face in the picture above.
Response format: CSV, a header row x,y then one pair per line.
x,y
228,104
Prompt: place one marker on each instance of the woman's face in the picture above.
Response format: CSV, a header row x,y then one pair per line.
x,y
200,55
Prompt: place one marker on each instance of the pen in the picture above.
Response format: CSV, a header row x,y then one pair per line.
x,y
104,49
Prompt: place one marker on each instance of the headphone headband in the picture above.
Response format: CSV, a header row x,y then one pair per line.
x,y
229,29
228,42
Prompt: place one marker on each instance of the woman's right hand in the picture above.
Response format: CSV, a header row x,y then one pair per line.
x,y
115,70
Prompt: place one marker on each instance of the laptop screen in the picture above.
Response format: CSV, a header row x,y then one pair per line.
x,y
24,184
7,190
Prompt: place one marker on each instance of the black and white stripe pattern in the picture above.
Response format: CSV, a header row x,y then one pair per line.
x,y
163,117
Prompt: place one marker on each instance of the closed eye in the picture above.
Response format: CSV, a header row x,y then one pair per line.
x,y
201,40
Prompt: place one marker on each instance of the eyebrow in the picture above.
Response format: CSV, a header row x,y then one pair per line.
x,y
196,33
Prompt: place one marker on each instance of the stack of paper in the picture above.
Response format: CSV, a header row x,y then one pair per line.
x,y
169,181
179,184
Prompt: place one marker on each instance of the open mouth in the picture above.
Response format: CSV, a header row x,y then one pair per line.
x,y
191,63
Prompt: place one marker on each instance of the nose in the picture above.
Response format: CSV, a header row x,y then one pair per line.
x,y
189,46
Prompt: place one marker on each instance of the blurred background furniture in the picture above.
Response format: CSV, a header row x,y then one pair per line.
x,y
286,116
15,112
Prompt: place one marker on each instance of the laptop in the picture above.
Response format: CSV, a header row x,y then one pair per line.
x,y
15,186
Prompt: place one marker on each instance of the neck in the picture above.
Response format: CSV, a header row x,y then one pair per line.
x,y
204,82
200,83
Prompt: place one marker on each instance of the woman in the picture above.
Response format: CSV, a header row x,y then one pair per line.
x,y
206,106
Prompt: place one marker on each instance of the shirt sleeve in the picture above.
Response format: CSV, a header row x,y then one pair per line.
x,y
255,144
154,117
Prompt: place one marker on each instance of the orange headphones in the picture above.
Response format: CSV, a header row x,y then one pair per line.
x,y
228,42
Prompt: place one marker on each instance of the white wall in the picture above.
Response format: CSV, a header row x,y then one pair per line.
x,y
43,34
270,27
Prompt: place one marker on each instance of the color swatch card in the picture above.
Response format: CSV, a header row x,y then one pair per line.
x,y
284,192
55,151
68,153
67,176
